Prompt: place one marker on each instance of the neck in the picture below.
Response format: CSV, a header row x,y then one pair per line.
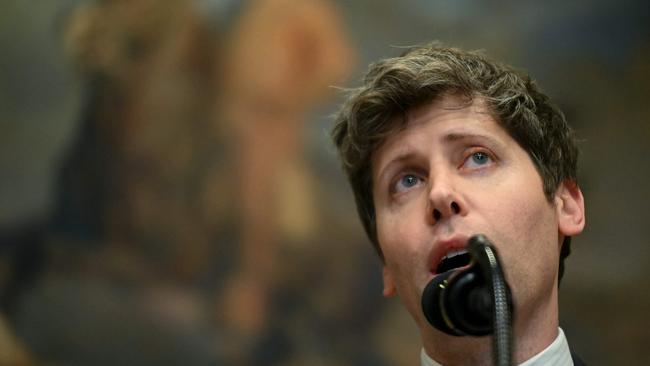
x,y
533,330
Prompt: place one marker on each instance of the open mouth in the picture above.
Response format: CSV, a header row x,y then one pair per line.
x,y
454,259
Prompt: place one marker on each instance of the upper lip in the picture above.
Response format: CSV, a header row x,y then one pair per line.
x,y
444,246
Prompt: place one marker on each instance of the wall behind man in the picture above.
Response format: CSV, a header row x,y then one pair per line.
x,y
592,57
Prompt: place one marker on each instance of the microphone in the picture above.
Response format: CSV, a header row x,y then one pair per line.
x,y
475,301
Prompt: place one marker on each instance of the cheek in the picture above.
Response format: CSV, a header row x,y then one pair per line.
x,y
393,235
526,220
401,243
402,246
523,212
529,247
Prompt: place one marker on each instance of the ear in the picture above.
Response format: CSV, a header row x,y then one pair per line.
x,y
570,207
389,284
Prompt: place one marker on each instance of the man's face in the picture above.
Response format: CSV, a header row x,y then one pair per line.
x,y
452,173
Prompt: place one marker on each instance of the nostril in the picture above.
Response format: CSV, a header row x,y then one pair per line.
x,y
455,208
437,214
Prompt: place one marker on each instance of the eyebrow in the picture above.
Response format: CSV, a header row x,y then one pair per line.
x,y
459,136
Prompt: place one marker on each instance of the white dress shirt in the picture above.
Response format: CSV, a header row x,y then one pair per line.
x,y
556,354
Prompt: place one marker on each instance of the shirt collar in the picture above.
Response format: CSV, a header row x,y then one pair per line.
x,y
556,354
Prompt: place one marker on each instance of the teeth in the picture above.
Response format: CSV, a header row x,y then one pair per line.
x,y
454,253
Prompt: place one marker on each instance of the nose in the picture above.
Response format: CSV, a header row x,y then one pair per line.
x,y
445,199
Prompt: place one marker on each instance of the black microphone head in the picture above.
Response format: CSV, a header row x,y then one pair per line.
x,y
432,303
468,303
460,302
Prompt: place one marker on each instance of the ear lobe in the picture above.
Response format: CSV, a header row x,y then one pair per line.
x,y
570,207
389,285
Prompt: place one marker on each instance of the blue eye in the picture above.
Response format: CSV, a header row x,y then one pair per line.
x,y
480,158
407,181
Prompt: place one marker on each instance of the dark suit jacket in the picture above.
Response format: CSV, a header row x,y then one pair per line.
x,y
576,360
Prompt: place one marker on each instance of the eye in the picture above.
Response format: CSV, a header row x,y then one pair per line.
x,y
478,159
405,182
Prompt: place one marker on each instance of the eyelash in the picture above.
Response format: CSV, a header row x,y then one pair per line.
x,y
394,185
472,152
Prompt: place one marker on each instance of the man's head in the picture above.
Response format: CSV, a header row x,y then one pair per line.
x,y
440,144
394,86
